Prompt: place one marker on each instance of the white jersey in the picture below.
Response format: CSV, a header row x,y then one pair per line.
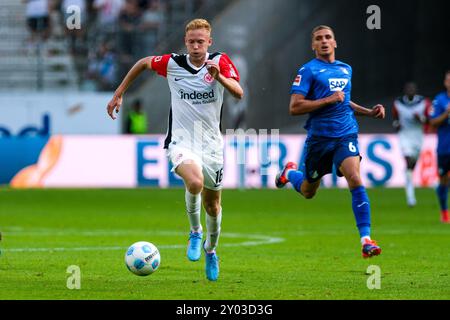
x,y
406,110
411,115
196,101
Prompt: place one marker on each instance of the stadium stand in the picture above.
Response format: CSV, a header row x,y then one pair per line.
x,y
26,65
114,34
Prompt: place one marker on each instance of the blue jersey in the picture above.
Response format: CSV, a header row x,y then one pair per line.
x,y
440,104
318,79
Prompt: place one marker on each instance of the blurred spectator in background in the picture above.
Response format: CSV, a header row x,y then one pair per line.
x,y
151,21
38,19
102,68
76,37
128,42
129,21
136,122
440,118
143,4
410,113
113,33
107,13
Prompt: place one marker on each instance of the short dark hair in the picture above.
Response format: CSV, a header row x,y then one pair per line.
x,y
321,27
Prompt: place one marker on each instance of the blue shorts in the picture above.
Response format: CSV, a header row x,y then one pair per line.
x,y
443,164
323,152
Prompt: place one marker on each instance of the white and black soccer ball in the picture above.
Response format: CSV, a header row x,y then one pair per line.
x,y
142,258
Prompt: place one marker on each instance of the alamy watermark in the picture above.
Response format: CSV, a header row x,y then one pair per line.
x,y
73,17
208,144
242,139
374,279
74,280
374,20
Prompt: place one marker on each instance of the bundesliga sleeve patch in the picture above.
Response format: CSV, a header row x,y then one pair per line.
x,y
159,64
297,80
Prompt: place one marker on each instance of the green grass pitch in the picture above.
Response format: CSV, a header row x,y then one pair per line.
x,y
274,245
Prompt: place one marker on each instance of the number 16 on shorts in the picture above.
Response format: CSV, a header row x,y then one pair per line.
x,y
219,176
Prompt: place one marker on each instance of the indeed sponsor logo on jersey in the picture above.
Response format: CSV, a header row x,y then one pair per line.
x,y
337,84
195,95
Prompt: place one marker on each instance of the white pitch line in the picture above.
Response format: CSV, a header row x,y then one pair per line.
x,y
146,233
256,240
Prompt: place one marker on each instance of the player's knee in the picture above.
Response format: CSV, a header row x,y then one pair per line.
x,y
212,208
354,180
309,194
195,185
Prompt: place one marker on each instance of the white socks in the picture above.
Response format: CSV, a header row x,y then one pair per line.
x,y
363,239
213,231
409,187
193,208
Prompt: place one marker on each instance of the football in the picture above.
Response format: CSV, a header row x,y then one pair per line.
x,y
142,258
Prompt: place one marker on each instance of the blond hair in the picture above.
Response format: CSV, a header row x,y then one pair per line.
x,y
321,27
198,24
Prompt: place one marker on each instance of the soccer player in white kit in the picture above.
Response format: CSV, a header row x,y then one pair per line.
x,y
194,141
410,113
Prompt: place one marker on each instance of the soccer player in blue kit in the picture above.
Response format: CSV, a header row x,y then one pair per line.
x,y
322,89
440,118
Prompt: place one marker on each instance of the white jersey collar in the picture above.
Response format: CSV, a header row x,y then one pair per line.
x,y
193,66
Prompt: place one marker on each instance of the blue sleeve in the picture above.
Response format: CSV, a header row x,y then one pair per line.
x,y
302,82
437,108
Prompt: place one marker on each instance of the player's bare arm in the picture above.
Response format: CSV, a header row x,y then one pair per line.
x,y
377,112
436,122
396,121
135,71
299,105
230,84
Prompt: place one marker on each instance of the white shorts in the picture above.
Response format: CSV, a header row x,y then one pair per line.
x,y
212,166
411,144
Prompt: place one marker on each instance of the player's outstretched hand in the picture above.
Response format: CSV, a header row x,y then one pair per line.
x,y
378,112
114,104
213,68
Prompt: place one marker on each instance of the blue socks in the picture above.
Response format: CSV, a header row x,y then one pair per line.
x,y
442,191
361,210
296,179
360,202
